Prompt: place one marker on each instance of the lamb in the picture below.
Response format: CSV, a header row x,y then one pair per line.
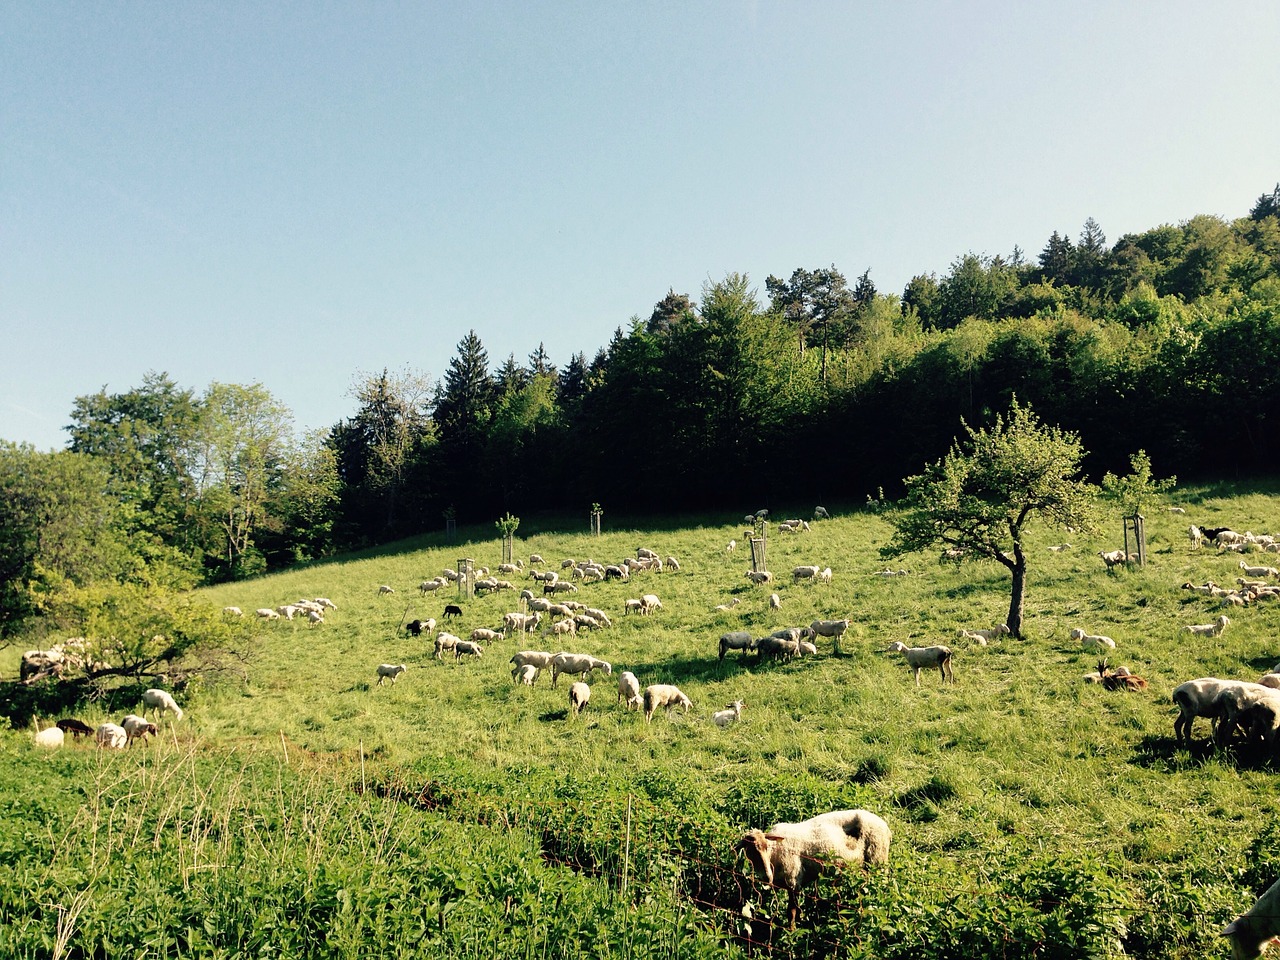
x,y
484,635
232,611
522,622
1254,707
1209,629
384,590
392,670
804,573
445,641
526,674
886,572
738,640
466,648
137,728
314,618
563,628
579,694
535,558
726,607
77,728
632,605
1196,535
112,737
1206,588
544,576
161,701
731,546
1059,547
759,576
287,610
807,649
577,663
1252,931
666,695
775,602
266,613
730,714
789,855
920,657
52,738
1258,571
649,603
418,627
987,633
629,690
1113,558
777,648
1092,641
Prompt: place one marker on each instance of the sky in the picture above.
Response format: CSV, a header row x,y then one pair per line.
x,y
303,194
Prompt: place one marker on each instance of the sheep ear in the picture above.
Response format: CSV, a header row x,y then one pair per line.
x,y
1230,929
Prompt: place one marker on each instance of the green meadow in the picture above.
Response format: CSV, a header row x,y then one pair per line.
x,y
300,809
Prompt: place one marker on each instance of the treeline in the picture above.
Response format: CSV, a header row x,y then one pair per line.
x,y
814,391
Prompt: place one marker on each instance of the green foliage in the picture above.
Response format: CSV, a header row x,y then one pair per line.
x,y
507,525
1139,490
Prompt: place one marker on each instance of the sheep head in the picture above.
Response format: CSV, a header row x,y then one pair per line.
x,y
755,845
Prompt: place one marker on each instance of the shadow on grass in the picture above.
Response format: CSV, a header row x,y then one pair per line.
x,y
678,669
1158,752
53,699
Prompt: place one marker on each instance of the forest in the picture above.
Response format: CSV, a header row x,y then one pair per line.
x,y
814,390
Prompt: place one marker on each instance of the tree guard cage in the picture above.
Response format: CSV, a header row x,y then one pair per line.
x,y
507,545
466,578
596,514
758,544
1137,527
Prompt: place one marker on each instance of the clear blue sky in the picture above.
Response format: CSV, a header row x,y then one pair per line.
x,y
294,194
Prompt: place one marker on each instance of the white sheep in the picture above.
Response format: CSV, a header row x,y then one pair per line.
x,y
112,737
1059,547
392,670
731,546
835,629
1198,698
577,663
807,649
1258,571
385,589
52,738
326,603
535,658
161,701
804,573
1092,641
1209,629
233,611
526,673
649,603
314,618
775,602
672,564
266,613
666,695
1113,558
1253,930
288,610
579,694
629,690
485,635
137,728
920,657
534,558
726,607
759,576
1196,536
730,714
737,640
429,586
986,633
445,641
790,855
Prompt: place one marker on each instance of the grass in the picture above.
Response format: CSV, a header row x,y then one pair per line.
x,y
1018,778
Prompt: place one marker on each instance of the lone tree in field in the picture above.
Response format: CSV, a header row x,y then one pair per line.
x,y
980,497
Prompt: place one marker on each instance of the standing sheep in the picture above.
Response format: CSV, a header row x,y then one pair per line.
x,y
1250,932
920,657
788,855
392,670
579,694
160,701
665,695
629,690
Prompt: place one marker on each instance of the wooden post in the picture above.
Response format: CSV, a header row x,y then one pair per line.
x,y
507,547
466,578
1137,524
596,514
759,544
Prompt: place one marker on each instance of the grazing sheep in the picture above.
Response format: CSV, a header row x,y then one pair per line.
x,y
467,648
672,564
632,605
484,635
52,738
1252,931
535,658
731,546
384,589
1059,547
522,622
726,607
789,855
807,649
1092,641
820,513
428,586
452,610
392,670
738,640
314,618
1113,558
112,737
77,728
137,728
266,613
419,627
160,701
777,648
730,714
804,573
920,657
649,603
579,694
552,588
232,611
1254,708
666,695
629,690
577,663
1225,537
445,641
1209,629
775,602
1198,698
563,628
526,673
759,576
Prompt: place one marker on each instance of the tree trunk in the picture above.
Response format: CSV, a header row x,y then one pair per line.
x,y
1014,622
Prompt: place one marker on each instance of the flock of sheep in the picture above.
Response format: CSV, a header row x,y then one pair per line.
x,y
114,736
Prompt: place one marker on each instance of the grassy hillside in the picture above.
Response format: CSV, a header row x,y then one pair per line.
x,y
1033,814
